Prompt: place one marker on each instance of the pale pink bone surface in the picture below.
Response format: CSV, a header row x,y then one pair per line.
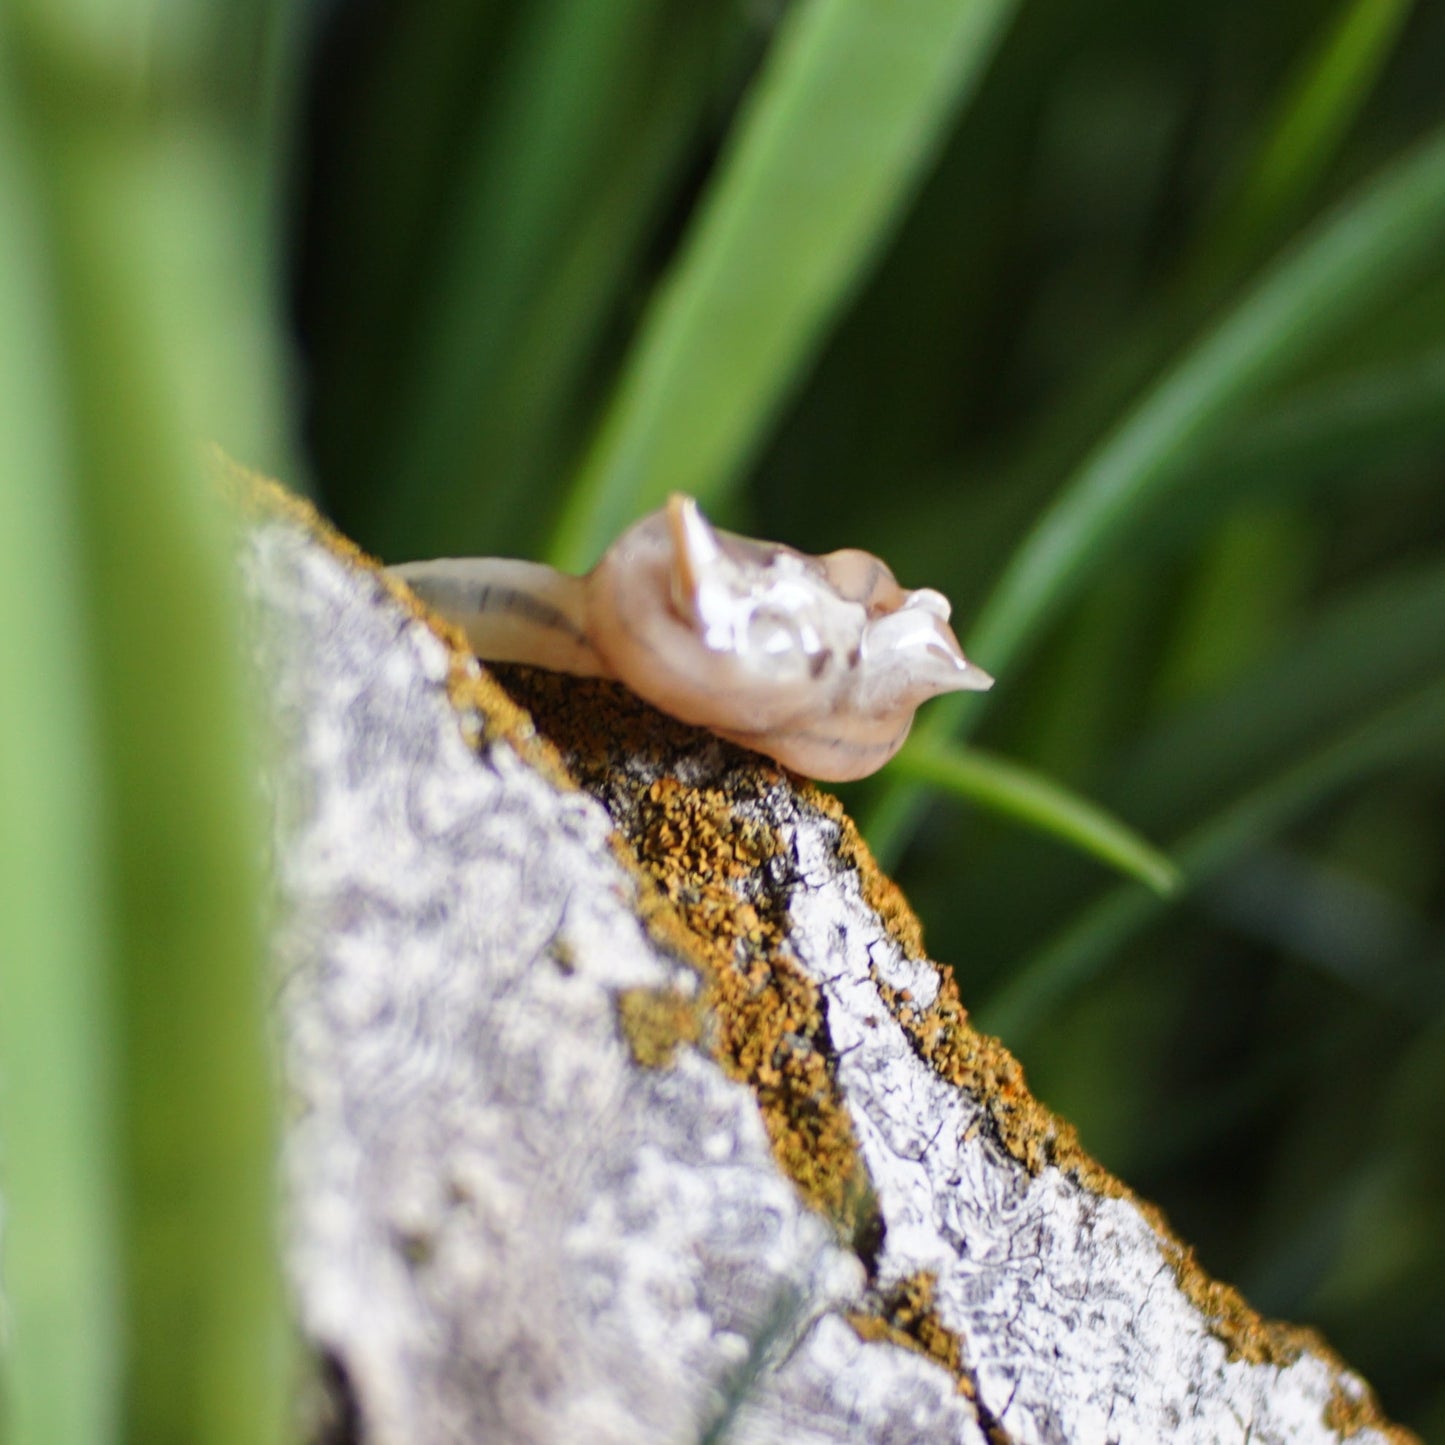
x,y
818,662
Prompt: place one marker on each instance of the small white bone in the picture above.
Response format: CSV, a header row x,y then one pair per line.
x,y
819,662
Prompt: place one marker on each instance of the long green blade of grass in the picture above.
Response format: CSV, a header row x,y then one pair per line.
x,y
1380,640
1386,640
1336,426
539,256
430,64
1309,121
1248,585
1370,250
513,460
1315,114
1325,436
1414,727
62,1357
1035,801
563,109
853,99
161,325
202,1275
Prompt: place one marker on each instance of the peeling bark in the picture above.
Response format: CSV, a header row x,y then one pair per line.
x,y
632,1111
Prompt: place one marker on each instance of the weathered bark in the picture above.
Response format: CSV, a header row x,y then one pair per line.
x,y
634,1113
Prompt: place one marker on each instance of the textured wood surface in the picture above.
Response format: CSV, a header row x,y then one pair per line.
x,y
636,1114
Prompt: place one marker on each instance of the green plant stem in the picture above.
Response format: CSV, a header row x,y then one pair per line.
x,y
57,1023
162,326
1080,952
1313,116
1037,802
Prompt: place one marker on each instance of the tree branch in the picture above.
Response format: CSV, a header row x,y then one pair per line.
x,y
633,1110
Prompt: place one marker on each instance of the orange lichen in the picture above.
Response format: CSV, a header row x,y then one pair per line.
x,y
978,1063
707,861
698,861
656,1022
906,1316
879,891
1349,1415
1035,1136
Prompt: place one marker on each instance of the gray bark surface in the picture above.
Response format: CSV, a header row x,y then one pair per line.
x,y
503,1227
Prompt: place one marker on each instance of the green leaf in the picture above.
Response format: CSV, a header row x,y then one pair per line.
x,y
1249,582
57,1020
852,102
1368,251
1414,727
1314,115
1037,802
1382,639
1338,427
593,107
150,222
404,113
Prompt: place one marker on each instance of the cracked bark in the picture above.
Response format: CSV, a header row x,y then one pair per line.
x,y
626,1106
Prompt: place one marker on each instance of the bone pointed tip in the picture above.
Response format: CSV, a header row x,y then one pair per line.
x,y
694,549
973,678
965,676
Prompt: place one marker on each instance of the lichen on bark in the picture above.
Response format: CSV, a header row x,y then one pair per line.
x,y
629,1106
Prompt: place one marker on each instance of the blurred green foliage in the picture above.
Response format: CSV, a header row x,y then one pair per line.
x,y
1124,325
139,321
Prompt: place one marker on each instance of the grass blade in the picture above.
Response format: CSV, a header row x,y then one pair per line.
x,y
161,321
1379,641
1368,251
206,1320
536,269
1037,802
1414,727
1385,641
852,101
1335,430
1314,116
432,65
1248,585
61,1233
578,90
